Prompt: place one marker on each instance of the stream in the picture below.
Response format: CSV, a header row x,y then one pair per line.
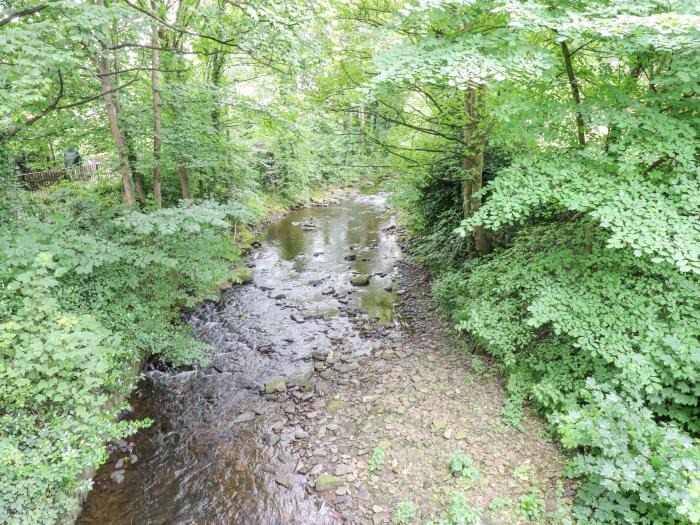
x,y
220,451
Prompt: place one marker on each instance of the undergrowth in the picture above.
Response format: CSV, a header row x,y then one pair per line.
x,y
88,290
601,341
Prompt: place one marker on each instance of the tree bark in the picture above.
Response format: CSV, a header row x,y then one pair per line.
x,y
104,74
473,165
155,86
573,83
184,179
128,143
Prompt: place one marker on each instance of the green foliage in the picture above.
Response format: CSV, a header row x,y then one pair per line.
x,y
462,465
531,507
521,473
460,512
606,355
405,513
500,503
377,459
85,297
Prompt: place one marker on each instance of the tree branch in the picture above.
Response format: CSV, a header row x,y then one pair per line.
x,y
45,112
20,14
95,97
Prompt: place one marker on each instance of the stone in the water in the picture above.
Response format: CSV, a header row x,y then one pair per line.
x,y
344,369
245,416
271,439
298,318
278,385
361,279
326,482
283,480
117,476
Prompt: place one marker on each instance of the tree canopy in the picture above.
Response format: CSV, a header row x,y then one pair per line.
x,y
543,156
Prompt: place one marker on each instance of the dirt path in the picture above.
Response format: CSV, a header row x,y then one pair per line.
x,y
418,401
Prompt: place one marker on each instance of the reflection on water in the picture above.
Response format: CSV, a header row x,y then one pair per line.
x,y
198,464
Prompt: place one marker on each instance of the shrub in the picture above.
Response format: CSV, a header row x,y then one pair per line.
x,y
84,298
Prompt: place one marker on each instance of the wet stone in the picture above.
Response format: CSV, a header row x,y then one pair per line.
x,y
271,439
326,482
361,279
278,385
117,476
283,480
245,416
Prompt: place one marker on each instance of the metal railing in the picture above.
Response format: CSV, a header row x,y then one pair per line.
x,y
89,171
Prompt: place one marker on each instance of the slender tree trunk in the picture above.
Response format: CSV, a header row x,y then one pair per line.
x,y
184,179
104,74
217,69
128,143
473,165
155,59
363,129
573,83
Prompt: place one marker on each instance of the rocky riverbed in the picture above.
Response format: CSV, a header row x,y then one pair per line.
x,y
332,394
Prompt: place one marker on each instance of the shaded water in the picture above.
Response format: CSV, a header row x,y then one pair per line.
x,y
197,464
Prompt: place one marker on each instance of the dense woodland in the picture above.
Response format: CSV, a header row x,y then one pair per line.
x,y
543,158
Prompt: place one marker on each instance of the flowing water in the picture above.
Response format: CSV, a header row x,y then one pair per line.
x,y
207,459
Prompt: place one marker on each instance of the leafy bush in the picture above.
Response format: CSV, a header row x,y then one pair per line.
x,y
612,357
85,295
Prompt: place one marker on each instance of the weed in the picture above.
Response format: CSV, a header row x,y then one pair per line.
x,y
521,473
405,513
531,507
377,459
478,366
461,465
500,503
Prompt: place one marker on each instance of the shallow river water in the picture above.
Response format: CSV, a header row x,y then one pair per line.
x,y
212,456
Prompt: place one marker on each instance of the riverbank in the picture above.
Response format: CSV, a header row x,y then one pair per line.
x,y
311,407
90,292
415,430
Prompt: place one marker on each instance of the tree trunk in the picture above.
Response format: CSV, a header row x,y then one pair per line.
x,y
103,71
473,165
363,129
184,179
155,59
573,83
128,143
